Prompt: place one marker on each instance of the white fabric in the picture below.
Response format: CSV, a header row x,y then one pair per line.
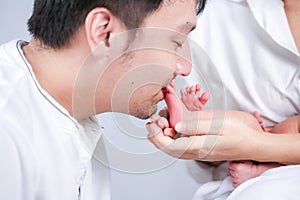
x,y
42,151
276,184
258,73
214,190
253,65
203,172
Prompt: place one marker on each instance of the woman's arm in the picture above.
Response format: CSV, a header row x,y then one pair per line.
x,y
285,142
232,135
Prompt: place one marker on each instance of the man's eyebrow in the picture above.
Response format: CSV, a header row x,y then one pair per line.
x,y
186,27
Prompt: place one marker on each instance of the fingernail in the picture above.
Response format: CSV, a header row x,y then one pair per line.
x,y
153,129
168,88
148,126
169,132
148,123
179,127
178,66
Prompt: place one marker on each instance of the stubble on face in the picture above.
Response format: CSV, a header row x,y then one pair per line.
x,y
145,110
153,47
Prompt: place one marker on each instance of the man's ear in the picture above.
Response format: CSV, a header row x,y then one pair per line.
x,y
99,24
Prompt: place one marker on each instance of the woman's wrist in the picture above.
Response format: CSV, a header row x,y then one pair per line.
x,y
282,148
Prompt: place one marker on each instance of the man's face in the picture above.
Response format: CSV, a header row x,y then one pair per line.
x,y
157,54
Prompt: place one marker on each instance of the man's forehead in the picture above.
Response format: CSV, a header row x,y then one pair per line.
x,y
180,16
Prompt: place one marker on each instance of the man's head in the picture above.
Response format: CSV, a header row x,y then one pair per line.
x,y
128,68
54,22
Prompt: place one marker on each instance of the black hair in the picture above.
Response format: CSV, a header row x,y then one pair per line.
x,y
54,22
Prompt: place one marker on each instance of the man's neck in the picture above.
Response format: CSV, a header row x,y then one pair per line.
x,y
55,70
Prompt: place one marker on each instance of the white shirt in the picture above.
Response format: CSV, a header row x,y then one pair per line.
x,y
43,151
252,64
256,62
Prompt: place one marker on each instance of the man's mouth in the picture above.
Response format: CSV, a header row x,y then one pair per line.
x,y
164,90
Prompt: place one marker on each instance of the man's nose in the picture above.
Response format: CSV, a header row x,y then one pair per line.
x,y
183,67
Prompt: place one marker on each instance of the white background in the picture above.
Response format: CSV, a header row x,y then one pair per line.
x,y
170,183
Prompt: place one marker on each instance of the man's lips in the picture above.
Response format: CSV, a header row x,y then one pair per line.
x,y
164,90
159,96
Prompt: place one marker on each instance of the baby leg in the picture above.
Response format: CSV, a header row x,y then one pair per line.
x,y
241,171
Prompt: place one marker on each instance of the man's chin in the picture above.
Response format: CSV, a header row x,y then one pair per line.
x,y
146,113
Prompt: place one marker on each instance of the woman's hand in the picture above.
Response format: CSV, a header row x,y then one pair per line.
x,y
216,136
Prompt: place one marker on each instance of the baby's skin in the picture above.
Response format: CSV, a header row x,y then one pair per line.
x,y
240,171
191,100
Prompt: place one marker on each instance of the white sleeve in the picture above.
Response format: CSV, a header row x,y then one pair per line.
x,y
17,171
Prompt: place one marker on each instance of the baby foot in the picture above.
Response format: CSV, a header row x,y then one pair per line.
x,y
175,106
241,171
178,110
192,99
